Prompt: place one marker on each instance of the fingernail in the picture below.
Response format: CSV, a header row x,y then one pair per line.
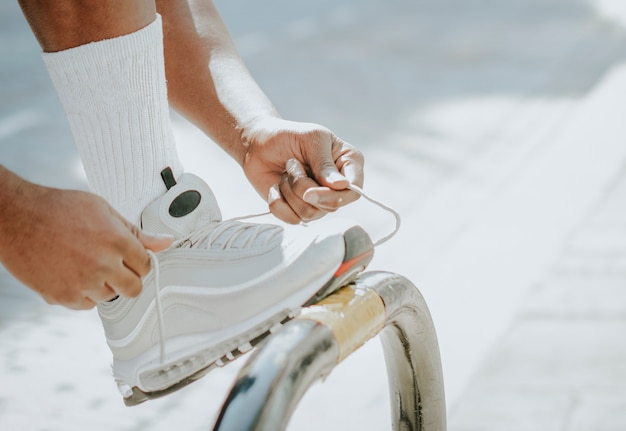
x,y
273,194
311,197
159,235
334,176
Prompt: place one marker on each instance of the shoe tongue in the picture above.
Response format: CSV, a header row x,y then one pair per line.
x,y
185,207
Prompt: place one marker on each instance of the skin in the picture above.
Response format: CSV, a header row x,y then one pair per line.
x,y
70,246
60,25
210,85
302,169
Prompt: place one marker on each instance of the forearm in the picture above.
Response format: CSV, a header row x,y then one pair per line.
x,y
207,80
15,195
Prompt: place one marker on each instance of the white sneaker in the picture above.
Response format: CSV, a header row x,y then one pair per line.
x,y
218,290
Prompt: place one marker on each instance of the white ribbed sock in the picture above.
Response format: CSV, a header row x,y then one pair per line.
x,y
115,96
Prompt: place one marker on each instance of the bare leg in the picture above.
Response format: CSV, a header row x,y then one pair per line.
x,y
106,61
60,25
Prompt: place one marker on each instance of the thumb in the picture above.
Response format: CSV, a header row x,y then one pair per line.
x,y
325,172
155,241
331,177
150,240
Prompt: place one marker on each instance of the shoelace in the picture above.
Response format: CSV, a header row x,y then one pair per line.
x,y
212,231
154,260
395,214
360,191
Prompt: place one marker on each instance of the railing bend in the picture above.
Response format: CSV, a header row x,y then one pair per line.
x,y
288,362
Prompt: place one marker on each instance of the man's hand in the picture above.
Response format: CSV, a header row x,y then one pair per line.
x,y
302,168
70,246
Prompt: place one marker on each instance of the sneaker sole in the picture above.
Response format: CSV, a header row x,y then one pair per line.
x,y
359,251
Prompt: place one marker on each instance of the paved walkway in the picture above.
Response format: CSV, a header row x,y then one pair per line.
x,y
561,366
495,128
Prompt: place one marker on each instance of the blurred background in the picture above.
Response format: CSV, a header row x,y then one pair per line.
x,y
495,128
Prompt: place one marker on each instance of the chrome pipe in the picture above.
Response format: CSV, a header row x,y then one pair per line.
x,y
288,362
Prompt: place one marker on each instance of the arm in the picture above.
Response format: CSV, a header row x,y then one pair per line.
x,y
303,168
207,80
70,246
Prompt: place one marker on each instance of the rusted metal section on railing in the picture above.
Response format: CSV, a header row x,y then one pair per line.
x,y
288,362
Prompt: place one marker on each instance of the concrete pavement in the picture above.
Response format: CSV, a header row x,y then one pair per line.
x,y
494,127
561,365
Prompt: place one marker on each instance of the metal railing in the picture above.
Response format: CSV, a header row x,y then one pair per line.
x,y
288,362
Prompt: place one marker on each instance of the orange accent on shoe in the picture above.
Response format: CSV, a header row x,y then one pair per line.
x,y
349,264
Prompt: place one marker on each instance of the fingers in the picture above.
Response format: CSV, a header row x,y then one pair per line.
x,y
285,199
292,212
336,164
122,281
336,167
90,299
295,182
311,186
102,294
135,243
83,304
299,197
124,278
134,255
73,303
328,199
280,208
322,163
154,241
349,161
